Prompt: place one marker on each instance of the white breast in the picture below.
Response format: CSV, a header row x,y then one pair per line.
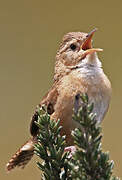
x,y
98,88
100,106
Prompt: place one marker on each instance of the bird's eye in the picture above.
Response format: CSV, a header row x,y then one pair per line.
x,y
73,47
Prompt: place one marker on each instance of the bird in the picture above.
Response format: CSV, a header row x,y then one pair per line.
x,y
77,70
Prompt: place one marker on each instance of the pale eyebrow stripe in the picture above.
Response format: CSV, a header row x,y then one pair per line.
x,y
68,44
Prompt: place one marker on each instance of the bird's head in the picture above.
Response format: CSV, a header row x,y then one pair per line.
x,y
75,51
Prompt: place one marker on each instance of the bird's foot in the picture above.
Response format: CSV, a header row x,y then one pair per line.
x,y
71,150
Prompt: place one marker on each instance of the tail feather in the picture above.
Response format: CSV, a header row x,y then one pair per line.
x,y
22,156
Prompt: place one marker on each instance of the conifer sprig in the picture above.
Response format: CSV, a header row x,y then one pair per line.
x,y
50,147
88,162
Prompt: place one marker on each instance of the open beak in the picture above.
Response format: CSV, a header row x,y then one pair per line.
x,y
87,44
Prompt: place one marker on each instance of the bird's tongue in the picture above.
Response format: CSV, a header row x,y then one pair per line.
x,y
87,44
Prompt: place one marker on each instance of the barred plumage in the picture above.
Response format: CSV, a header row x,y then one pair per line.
x,y
22,156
